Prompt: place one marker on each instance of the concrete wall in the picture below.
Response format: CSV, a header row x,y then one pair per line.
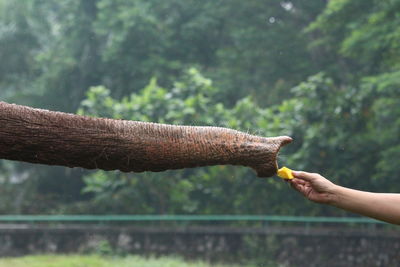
x,y
288,246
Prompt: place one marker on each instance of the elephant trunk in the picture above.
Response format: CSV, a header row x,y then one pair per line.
x,y
55,138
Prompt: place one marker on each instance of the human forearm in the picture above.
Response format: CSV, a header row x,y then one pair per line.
x,y
381,206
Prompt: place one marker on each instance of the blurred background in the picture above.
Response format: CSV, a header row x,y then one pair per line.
x,y
326,73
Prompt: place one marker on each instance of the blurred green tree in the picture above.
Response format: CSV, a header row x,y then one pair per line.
x,y
335,131
344,117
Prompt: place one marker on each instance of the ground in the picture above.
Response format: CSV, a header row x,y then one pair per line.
x,y
99,261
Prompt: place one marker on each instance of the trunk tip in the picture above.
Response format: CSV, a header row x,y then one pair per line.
x,y
270,166
285,140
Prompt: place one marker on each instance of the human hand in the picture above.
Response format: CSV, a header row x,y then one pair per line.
x,y
314,187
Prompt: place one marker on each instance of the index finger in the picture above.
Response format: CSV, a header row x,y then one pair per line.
x,y
307,176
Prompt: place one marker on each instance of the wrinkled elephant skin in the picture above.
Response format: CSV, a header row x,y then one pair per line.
x,y
56,138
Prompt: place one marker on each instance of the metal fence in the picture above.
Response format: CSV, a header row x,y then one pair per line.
x,y
185,218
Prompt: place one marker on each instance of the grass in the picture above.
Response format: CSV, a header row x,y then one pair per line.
x,y
99,261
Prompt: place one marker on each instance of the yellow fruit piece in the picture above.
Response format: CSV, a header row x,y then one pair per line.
x,y
285,173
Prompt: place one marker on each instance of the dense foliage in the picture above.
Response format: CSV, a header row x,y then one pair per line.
x,y
327,74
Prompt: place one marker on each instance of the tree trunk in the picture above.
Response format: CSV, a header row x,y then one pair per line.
x,y
55,138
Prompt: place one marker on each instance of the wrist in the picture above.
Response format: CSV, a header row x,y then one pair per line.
x,y
335,195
